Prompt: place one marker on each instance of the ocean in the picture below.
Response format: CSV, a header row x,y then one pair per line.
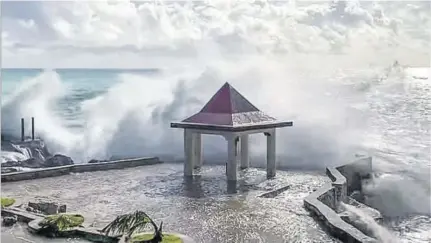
x,y
382,111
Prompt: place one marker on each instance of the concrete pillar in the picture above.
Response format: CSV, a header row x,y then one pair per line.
x,y
188,153
244,152
232,158
197,139
270,154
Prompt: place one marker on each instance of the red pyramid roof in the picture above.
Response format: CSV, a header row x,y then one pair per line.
x,y
228,100
229,110
226,108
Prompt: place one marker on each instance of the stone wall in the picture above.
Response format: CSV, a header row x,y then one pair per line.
x,y
78,168
325,202
356,171
339,185
327,197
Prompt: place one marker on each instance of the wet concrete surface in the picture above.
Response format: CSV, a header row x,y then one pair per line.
x,y
205,208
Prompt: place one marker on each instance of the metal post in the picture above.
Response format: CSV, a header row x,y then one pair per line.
x,y
32,128
22,129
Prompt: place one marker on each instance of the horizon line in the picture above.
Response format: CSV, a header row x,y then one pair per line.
x,y
64,68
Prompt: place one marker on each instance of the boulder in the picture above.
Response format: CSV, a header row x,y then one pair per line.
x,y
32,163
11,164
58,160
29,163
96,161
46,207
9,221
35,162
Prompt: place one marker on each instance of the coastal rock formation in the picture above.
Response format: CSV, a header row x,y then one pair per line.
x,y
97,161
30,149
58,160
31,163
29,154
35,162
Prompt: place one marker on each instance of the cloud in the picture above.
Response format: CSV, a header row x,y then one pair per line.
x,y
38,33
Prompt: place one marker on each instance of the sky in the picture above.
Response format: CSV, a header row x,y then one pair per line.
x,y
125,34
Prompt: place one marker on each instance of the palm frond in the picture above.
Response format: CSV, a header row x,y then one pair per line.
x,y
129,223
62,221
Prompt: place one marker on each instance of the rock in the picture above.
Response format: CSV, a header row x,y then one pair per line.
x,y
32,148
8,170
58,160
32,163
93,161
29,163
96,161
46,207
9,221
11,164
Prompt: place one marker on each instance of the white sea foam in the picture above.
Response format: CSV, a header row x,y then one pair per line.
x,y
366,223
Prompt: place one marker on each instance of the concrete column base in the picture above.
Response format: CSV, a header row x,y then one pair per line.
x,y
188,152
270,154
232,167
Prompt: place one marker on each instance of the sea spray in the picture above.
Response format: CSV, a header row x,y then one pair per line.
x,y
132,118
363,221
399,196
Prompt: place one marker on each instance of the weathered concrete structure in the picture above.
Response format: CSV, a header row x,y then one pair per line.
x,y
232,116
325,203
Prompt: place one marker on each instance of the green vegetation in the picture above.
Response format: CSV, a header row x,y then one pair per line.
x,y
7,202
167,238
129,224
62,221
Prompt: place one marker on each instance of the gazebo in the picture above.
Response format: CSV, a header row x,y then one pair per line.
x,y
232,116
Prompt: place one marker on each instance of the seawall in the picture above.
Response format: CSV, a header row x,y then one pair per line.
x,y
324,203
78,168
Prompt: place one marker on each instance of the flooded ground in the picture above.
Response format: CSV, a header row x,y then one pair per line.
x,y
206,208
19,234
